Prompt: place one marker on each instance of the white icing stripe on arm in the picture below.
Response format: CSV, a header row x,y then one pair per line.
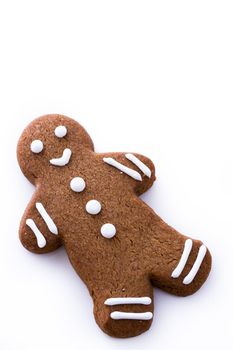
x,y
130,172
200,256
144,316
124,301
63,160
143,167
41,241
47,219
183,260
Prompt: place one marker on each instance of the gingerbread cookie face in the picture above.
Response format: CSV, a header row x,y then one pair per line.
x,y
46,143
89,203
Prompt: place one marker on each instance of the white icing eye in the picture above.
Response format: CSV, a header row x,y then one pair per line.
x,y
93,207
37,146
77,184
108,230
60,131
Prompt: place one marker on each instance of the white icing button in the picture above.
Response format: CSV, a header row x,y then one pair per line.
x,y
108,230
60,131
37,146
93,207
77,184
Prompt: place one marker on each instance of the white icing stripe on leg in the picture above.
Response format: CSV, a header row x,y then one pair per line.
x,y
47,219
183,260
130,172
63,160
124,301
41,241
200,256
144,316
143,167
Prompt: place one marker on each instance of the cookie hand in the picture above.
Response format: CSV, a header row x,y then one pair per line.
x,y
138,170
38,232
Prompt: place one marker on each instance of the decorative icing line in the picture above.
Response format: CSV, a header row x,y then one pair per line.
x,y
200,256
41,241
63,160
144,316
130,172
126,300
183,260
47,219
143,167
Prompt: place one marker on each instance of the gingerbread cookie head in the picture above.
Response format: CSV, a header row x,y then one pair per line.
x,y
50,140
89,203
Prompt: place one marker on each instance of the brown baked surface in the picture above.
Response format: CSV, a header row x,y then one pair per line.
x,y
144,251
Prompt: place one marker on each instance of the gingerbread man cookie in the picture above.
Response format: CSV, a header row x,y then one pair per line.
x,y
88,202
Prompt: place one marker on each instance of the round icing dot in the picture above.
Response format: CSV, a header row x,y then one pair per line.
x,y
37,146
60,131
77,184
93,207
108,230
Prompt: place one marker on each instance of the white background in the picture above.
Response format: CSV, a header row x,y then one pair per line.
x,y
154,77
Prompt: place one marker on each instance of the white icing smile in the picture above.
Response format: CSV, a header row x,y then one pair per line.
x,y
63,160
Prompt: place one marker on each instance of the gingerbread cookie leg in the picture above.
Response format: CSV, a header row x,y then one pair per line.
x,y
181,264
38,231
125,310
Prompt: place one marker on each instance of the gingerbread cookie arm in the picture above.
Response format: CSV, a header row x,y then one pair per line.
x,y
38,231
138,170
